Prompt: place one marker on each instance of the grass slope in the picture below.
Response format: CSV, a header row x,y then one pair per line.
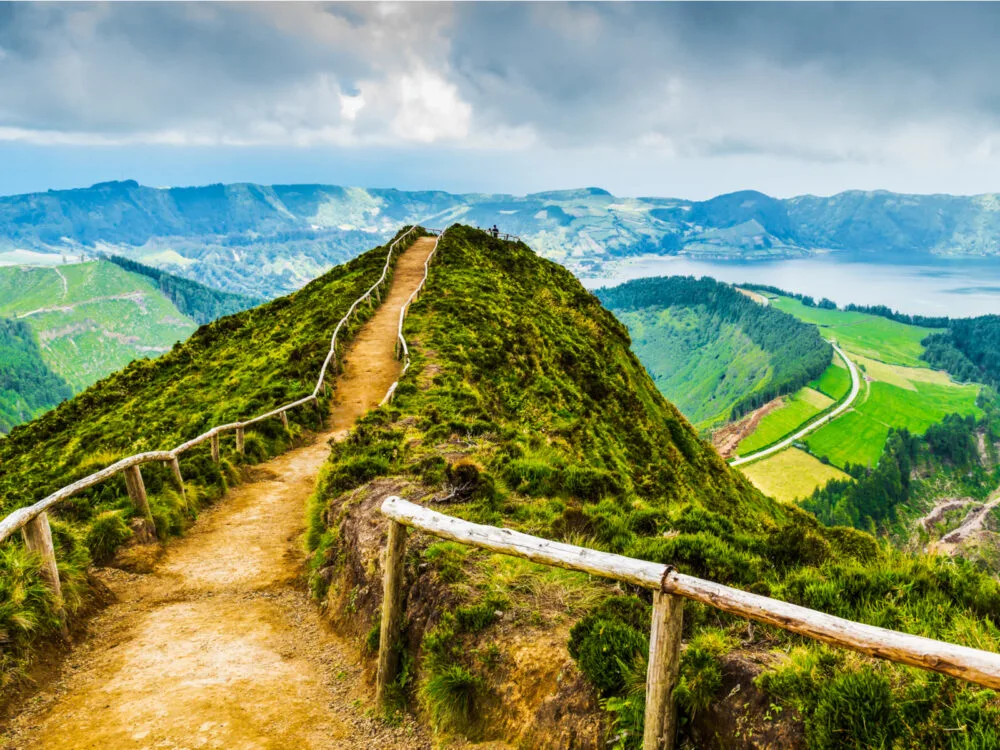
x,y
236,367
796,410
525,408
863,334
711,348
91,318
701,364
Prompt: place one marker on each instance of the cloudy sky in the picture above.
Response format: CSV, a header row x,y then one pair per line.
x,y
685,100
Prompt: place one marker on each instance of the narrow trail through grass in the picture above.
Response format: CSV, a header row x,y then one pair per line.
x,y
220,647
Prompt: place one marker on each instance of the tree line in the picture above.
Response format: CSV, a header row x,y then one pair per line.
x,y
199,302
27,385
797,352
969,349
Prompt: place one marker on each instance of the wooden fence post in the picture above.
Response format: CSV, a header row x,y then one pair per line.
x,y
319,411
240,440
37,535
284,419
137,492
661,677
215,447
175,467
392,612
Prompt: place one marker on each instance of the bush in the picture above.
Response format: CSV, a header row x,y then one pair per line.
x,y
590,484
609,639
107,532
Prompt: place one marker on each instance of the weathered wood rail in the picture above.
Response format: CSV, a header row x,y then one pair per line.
x,y
670,588
402,350
33,519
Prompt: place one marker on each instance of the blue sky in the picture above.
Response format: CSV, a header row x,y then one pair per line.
x,y
687,100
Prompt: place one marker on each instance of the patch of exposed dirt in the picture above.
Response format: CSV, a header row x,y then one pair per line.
x,y
745,718
220,646
727,439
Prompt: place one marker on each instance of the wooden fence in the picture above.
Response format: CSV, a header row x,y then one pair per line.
x,y
669,588
33,519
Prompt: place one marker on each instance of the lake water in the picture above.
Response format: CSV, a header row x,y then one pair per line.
x,y
956,288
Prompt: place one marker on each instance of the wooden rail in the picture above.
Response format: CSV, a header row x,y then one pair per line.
x,y
402,350
670,589
33,520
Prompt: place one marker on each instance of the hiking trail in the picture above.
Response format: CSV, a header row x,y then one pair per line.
x,y
221,646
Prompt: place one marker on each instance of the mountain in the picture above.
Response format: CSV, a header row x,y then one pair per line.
x,y
713,350
524,407
262,240
84,321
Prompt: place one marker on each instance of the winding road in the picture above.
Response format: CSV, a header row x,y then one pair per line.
x,y
837,411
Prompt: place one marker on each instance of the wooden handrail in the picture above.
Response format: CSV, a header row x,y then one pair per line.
x,y
402,349
19,518
969,664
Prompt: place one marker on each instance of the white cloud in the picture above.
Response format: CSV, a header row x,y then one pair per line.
x,y
430,109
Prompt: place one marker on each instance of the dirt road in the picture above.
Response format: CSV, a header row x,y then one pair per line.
x,y
220,646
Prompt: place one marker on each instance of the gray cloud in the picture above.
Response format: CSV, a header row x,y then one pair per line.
x,y
810,82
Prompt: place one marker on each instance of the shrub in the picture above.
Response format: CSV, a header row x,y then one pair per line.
x,y
610,638
532,477
590,484
107,532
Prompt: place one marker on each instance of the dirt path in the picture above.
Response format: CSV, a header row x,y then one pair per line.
x,y
220,647
817,423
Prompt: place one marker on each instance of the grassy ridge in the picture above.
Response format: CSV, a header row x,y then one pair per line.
x,y
199,302
234,368
524,408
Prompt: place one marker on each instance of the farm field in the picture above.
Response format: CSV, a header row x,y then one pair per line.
x,y
863,335
790,474
900,391
797,409
835,382
858,436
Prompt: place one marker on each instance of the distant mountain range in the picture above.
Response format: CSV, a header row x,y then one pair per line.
x,y
266,240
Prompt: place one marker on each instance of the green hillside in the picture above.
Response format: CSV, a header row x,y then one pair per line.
x,y
525,408
91,318
237,367
713,351
27,386
199,302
